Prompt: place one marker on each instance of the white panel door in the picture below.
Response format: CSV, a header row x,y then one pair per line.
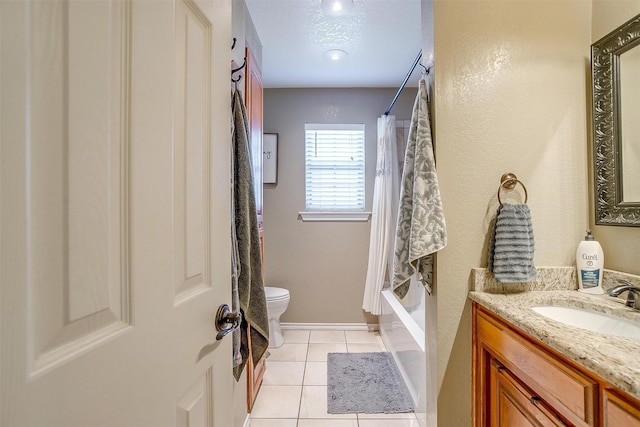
x,y
114,212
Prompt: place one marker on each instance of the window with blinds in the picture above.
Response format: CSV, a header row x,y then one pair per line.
x,y
334,167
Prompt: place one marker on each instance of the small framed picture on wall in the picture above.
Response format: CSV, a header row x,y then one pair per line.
x,y
270,158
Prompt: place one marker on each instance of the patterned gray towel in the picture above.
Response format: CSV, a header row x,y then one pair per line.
x,y
421,230
511,248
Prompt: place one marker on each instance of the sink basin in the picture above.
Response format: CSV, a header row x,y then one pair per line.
x,y
590,320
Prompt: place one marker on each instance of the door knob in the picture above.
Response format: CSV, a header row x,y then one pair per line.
x,y
227,321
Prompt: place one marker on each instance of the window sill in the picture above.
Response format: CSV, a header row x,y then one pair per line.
x,y
334,216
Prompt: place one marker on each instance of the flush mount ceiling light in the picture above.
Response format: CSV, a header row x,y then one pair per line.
x,y
337,7
335,55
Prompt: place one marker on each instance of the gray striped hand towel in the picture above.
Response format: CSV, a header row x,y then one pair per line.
x,y
511,247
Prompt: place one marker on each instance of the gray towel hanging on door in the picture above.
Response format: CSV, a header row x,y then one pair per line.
x,y
250,284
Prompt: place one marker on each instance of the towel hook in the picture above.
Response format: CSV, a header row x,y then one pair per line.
x,y
509,181
235,70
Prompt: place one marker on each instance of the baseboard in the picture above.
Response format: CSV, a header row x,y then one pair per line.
x,y
331,326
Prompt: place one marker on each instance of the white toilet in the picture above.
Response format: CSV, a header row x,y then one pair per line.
x,y
277,303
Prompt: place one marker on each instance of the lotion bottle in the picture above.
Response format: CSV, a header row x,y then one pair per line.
x,y
590,265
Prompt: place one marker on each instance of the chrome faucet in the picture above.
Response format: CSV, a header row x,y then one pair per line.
x,y
633,295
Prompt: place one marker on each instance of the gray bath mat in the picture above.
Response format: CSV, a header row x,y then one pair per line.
x,y
366,383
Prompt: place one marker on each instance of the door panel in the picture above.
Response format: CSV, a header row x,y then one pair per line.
x,y
77,221
114,220
193,409
191,149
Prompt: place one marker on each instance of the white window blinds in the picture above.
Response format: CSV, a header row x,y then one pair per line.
x,y
334,167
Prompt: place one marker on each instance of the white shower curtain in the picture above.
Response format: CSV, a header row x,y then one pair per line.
x,y
383,216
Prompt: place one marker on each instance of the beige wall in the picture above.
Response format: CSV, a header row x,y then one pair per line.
x,y
621,245
323,264
245,33
510,96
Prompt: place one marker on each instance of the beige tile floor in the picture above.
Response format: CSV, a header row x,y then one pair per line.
x,y
294,388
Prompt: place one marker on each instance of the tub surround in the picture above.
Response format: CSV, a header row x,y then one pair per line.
x,y
614,359
404,338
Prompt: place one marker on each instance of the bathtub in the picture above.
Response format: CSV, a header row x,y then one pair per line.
x,y
403,334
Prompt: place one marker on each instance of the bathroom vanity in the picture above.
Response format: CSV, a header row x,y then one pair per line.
x,y
530,370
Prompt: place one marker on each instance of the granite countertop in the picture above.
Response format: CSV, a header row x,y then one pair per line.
x,y
615,359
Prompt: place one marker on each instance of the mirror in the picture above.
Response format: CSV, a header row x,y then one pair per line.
x,y
630,125
615,66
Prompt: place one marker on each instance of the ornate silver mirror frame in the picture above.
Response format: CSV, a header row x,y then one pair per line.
x,y
605,66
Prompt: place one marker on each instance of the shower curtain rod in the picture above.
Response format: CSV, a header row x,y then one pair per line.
x,y
406,79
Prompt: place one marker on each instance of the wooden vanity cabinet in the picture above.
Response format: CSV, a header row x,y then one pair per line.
x,y
519,381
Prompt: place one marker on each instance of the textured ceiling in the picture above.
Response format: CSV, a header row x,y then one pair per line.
x,y
381,37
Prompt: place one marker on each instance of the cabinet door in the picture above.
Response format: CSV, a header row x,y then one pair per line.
x,y
619,412
254,103
253,93
513,405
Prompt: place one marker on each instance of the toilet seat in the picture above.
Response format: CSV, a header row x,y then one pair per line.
x,y
275,294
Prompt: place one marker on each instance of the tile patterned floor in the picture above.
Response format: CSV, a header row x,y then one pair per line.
x,y
294,388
